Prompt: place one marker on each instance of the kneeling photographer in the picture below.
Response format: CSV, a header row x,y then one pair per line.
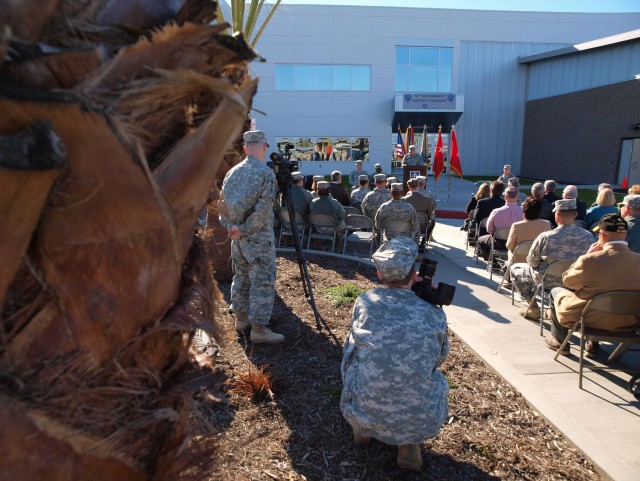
x,y
393,390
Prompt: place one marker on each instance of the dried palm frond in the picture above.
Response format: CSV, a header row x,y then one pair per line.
x,y
256,383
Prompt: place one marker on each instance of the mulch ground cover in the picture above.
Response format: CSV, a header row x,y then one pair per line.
x,y
299,432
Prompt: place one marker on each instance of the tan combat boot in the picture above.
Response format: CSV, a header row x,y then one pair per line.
x,y
242,321
262,334
409,457
530,312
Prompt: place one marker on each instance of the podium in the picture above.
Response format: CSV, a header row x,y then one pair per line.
x,y
411,171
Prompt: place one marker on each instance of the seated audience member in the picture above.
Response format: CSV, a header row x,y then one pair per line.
x,y
630,210
314,186
373,200
358,194
550,195
377,170
423,185
527,229
300,196
354,178
605,204
327,205
506,175
482,193
421,202
391,180
486,206
337,190
397,209
634,189
601,186
393,390
515,182
546,209
609,265
571,192
564,243
499,219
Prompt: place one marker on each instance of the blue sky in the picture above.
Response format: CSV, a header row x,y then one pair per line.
x,y
513,5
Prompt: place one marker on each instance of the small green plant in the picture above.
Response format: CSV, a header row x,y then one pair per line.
x,y
334,392
342,294
451,382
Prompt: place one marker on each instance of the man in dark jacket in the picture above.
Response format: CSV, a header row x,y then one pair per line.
x,y
337,190
485,206
550,187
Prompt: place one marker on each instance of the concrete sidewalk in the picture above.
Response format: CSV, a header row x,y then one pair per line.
x,y
603,420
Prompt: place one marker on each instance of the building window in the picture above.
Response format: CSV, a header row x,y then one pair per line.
x,y
323,77
423,69
339,149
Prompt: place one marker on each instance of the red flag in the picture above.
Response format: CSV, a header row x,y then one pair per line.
x,y
438,162
399,145
454,158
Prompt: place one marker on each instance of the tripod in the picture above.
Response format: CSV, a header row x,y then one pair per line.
x,y
302,263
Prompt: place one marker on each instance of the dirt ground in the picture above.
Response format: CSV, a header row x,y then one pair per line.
x,y
491,432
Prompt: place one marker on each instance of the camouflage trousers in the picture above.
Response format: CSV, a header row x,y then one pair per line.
x,y
524,279
254,278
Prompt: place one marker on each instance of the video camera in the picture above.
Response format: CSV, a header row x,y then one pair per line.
x,y
442,295
282,166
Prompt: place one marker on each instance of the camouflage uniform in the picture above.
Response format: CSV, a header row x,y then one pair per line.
x,y
301,199
393,390
249,191
358,195
373,200
354,177
413,160
565,242
331,207
398,210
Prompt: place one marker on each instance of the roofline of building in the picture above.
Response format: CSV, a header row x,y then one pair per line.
x,y
581,47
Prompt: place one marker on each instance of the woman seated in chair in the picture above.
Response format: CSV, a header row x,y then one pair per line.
x,y
605,204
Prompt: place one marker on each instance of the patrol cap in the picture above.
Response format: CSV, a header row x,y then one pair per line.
x,y
396,187
392,179
613,223
380,178
255,137
632,201
506,166
318,178
296,176
564,204
378,165
323,184
363,177
412,147
421,178
395,258
358,162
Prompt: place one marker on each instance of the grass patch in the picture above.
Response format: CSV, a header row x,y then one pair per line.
x,y
342,294
451,382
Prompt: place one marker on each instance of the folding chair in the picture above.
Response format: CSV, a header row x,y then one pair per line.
x,y
470,234
424,222
520,250
360,229
396,227
286,227
322,227
482,225
348,210
495,254
555,269
612,302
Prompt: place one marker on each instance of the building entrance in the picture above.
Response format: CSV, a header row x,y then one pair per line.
x,y
629,163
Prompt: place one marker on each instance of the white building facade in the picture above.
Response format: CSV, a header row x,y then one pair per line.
x,y
338,82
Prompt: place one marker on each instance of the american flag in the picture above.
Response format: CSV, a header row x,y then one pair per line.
x,y
400,146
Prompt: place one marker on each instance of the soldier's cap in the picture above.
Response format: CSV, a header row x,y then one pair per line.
x,y
632,201
318,178
358,162
296,176
613,223
323,184
396,187
396,258
412,147
391,180
421,178
378,165
506,166
363,177
564,204
255,137
380,178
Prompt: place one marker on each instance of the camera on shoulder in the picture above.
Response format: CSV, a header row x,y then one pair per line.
x,y
442,294
282,166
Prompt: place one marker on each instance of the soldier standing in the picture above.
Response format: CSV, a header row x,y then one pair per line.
x,y
354,177
248,195
413,158
397,209
393,390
